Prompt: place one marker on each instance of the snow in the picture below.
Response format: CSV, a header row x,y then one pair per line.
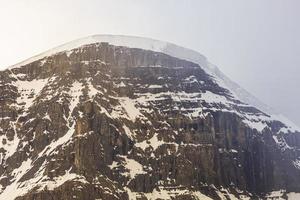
x,y
207,97
92,90
17,188
62,140
128,132
211,98
10,146
279,195
58,181
113,165
172,50
29,90
152,142
121,85
258,125
128,41
154,66
47,117
233,151
293,196
166,194
155,86
281,143
133,167
257,122
290,125
192,79
14,190
131,110
297,163
157,46
75,93
196,113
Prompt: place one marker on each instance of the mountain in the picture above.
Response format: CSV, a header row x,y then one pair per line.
x,y
120,117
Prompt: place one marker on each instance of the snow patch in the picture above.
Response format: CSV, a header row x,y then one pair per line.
x,y
155,86
29,90
14,189
258,125
58,181
279,195
297,163
120,85
129,106
75,93
152,142
63,140
92,90
166,194
133,167
128,132
10,146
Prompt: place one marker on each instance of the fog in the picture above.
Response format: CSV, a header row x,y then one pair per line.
x,y
256,42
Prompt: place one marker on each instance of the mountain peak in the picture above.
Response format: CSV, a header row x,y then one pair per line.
x,y
117,117
117,40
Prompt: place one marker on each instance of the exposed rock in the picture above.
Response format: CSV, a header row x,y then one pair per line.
x,y
110,122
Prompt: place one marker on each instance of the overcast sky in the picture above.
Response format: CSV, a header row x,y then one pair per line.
x,y
255,42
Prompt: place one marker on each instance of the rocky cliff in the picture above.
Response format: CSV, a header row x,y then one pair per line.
x,y
108,121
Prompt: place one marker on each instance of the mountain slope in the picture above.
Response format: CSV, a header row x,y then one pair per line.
x,y
117,117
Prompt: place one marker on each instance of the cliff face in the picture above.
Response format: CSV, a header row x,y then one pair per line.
x,y
110,122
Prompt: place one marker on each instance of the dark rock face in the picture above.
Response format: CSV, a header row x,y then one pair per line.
x,y
109,122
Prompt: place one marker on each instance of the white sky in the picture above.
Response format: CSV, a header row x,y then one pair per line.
x,y
255,42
